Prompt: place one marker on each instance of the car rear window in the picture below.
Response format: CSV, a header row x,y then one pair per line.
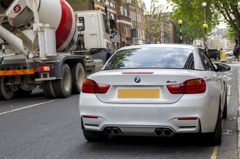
x,y
151,58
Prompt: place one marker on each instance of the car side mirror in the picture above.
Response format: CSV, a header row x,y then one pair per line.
x,y
219,67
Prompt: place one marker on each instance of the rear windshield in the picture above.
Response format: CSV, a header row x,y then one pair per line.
x,y
152,58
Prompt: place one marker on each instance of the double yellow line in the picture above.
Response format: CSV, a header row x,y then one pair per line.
x,y
215,150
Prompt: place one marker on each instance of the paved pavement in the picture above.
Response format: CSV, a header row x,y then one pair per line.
x,y
38,127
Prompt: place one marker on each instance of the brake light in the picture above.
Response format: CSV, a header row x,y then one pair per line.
x,y
193,86
187,118
90,86
44,68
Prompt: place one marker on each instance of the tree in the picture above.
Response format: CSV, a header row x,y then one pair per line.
x,y
231,34
215,10
154,20
190,32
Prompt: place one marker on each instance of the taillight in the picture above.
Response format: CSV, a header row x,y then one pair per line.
x,y
90,86
44,68
193,86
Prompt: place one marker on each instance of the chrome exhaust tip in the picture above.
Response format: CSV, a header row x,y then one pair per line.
x,y
116,130
159,131
108,130
167,132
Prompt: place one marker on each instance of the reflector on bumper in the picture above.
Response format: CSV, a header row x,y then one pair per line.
x,y
16,72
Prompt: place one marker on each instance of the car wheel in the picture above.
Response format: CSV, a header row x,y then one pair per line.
x,y
224,116
95,136
227,55
216,136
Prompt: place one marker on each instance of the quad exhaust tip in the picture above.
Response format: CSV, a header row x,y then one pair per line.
x,y
116,130
108,130
160,131
167,132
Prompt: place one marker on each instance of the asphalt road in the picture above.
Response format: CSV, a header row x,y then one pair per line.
x,y
38,127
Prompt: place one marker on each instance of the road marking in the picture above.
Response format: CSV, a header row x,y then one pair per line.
x,y
30,106
215,150
214,154
229,90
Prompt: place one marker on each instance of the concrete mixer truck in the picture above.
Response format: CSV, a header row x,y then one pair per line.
x,y
45,43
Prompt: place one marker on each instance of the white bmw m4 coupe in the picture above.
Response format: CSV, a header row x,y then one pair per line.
x,y
155,90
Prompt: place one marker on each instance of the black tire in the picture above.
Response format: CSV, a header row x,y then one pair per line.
x,y
20,93
48,89
5,92
217,134
95,136
102,56
78,77
63,87
224,116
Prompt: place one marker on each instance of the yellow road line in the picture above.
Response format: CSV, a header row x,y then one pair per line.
x,y
215,150
229,90
214,154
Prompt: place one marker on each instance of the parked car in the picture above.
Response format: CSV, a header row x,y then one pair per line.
x,y
229,53
155,90
214,53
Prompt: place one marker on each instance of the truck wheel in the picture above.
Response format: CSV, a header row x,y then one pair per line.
x,y
78,77
21,93
5,91
48,89
63,87
102,56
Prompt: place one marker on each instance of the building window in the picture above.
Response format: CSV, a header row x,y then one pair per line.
x,y
121,10
129,1
107,2
125,12
111,4
126,31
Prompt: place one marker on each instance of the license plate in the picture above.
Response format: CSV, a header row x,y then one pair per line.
x,y
138,93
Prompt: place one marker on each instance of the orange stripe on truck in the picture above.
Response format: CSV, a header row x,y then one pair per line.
x,y
16,72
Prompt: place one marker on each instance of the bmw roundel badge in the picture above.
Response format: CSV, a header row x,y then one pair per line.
x,y
137,79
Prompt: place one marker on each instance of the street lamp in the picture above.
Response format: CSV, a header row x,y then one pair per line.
x,y
180,23
204,4
205,26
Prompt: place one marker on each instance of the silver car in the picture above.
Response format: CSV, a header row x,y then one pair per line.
x,y
229,53
155,90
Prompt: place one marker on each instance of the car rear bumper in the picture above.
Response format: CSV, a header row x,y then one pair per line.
x,y
145,118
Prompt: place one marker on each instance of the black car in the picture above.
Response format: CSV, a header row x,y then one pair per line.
x,y
214,53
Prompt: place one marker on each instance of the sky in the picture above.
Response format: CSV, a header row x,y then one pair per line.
x,y
165,3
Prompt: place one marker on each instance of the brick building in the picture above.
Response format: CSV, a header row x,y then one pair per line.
x,y
136,13
124,25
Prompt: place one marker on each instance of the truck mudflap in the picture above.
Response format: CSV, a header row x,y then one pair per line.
x,y
17,72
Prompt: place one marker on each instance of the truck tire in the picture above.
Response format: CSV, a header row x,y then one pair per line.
x,y
63,87
5,92
78,77
102,56
48,89
20,93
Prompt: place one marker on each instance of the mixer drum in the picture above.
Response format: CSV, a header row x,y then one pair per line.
x,y
60,15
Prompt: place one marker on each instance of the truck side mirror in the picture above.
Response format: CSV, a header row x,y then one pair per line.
x,y
112,23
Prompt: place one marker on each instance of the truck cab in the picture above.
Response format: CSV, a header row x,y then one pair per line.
x,y
94,32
